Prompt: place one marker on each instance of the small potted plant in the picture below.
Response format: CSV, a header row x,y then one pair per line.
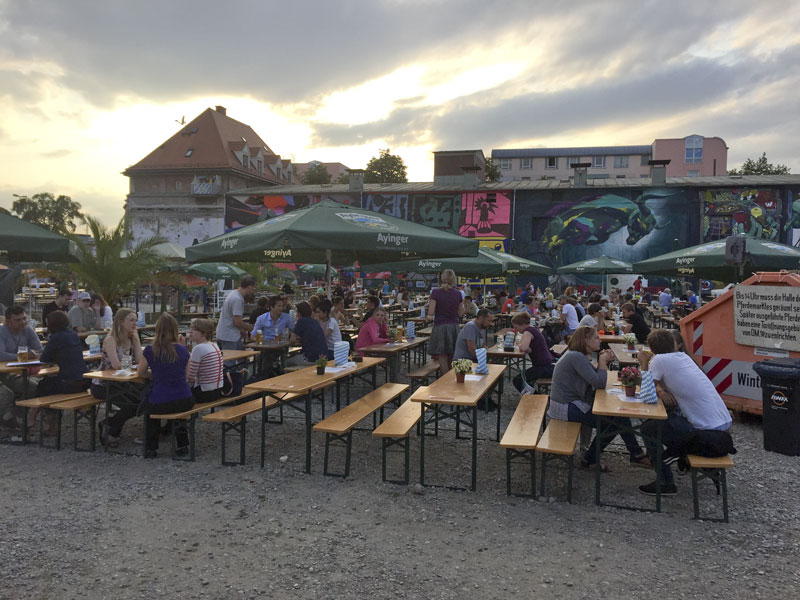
x,y
630,339
391,334
462,366
630,377
321,363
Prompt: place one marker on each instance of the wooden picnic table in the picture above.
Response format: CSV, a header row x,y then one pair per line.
x,y
392,352
608,404
447,399
269,349
612,338
514,359
300,384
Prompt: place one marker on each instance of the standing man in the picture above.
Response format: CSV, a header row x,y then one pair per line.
x,y
473,335
60,303
232,329
688,395
569,315
81,316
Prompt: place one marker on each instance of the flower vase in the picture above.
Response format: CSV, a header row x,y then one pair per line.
x,y
630,390
460,377
631,347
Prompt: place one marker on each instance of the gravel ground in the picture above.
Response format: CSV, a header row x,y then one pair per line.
x,y
102,525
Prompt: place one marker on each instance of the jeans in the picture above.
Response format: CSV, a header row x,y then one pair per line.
x,y
673,431
127,410
532,374
614,427
237,345
179,427
208,396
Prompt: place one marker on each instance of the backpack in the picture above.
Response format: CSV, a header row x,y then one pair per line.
x,y
233,381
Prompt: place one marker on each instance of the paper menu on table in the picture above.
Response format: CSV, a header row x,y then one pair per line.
x,y
473,377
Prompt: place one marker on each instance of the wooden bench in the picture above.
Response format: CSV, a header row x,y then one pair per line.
x,y
83,408
422,375
543,385
522,435
339,426
395,430
714,469
43,402
234,419
191,417
558,443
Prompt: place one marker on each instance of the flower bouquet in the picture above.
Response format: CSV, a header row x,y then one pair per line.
x,y
630,339
462,366
630,377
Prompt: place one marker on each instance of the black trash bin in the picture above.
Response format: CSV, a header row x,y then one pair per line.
x,y
780,389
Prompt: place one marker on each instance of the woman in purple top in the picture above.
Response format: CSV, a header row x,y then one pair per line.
x,y
167,359
446,307
533,342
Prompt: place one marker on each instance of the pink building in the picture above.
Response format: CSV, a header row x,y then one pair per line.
x,y
693,156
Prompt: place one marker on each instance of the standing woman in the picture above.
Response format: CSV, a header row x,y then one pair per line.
x,y
167,358
446,307
123,341
204,371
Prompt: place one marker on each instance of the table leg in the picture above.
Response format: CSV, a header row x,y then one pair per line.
x,y
308,432
422,444
659,451
263,426
475,446
598,439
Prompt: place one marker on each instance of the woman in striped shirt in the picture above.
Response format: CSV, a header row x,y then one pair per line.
x,y
204,370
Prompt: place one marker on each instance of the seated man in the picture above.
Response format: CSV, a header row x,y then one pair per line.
x,y
16,333
81,316
473,335
273,322
690,398
635,323
470,308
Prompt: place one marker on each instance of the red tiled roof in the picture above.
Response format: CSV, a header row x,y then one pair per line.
x,y
212,137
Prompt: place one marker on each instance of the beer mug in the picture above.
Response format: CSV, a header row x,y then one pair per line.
x,y
259,337
22,353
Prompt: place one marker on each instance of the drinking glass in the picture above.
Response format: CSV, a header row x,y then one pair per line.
x,y
127,361
22,353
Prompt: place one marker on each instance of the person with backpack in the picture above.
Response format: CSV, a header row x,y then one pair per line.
x,y
691,400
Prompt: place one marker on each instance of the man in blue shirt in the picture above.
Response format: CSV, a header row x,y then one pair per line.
x,y
274,321
665,299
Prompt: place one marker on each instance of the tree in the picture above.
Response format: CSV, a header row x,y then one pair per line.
x,y
105,270
492,171
56,214
316,174
760,167
386,168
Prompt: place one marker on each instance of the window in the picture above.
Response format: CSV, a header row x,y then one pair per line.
x,y
693,173
188,153
525,163
178,186
620,176
645,160
526,179
620,162
694,149
551,162
260,166
598,162
246,161
505,164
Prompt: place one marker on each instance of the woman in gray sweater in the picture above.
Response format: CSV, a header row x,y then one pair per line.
x,y
575,379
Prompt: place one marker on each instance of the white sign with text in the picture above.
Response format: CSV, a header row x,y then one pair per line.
x,y
767,316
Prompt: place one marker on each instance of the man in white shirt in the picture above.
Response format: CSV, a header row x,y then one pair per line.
x,y
569,315
232,328
688,395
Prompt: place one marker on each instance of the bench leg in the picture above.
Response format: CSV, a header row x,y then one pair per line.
x,y
570,467
695,499
386,443
347,440
243,425
543,488
508,472
724,480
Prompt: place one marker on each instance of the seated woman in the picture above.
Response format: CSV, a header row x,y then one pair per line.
x,y
204,371
594,317
330,328
122,342
535,345
104,317
167,359
308,333
374,330
572,393
64,349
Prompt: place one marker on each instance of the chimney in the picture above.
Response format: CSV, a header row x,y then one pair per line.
x,y
579,178
356,179
658,171
471,176
222,110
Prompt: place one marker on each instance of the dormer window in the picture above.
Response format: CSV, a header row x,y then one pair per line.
x,y
246,161
260,166
188,153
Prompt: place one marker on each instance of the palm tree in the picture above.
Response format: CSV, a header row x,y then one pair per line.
x,y
103,267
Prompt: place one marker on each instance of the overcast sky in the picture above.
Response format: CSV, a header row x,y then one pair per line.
x,y
90,87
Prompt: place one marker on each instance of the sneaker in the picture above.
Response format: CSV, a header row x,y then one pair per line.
x,y
667,489
138,441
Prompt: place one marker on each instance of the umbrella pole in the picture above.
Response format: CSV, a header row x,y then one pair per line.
x,y
328,270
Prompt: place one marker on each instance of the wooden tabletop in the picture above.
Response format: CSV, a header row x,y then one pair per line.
x,y
559,349
497,351
111,375
391,347
303,380
612,339
269,345
625,356
612,405
445,390
239,354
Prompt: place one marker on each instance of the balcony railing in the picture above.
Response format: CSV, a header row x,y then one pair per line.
x,y
206,189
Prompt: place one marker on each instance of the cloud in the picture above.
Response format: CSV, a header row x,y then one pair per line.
x,y
60,153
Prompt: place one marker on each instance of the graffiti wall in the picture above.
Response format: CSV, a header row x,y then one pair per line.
x,y
559,227
753,212
792,226
241,211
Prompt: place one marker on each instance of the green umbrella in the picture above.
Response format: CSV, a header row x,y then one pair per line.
x,y
708,260
215,270
488,263
25,242
601,264
332,232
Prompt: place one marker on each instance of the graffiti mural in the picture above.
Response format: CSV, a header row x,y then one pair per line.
x,y
753,212
792,226
440,211
391,205
485,215
247,210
